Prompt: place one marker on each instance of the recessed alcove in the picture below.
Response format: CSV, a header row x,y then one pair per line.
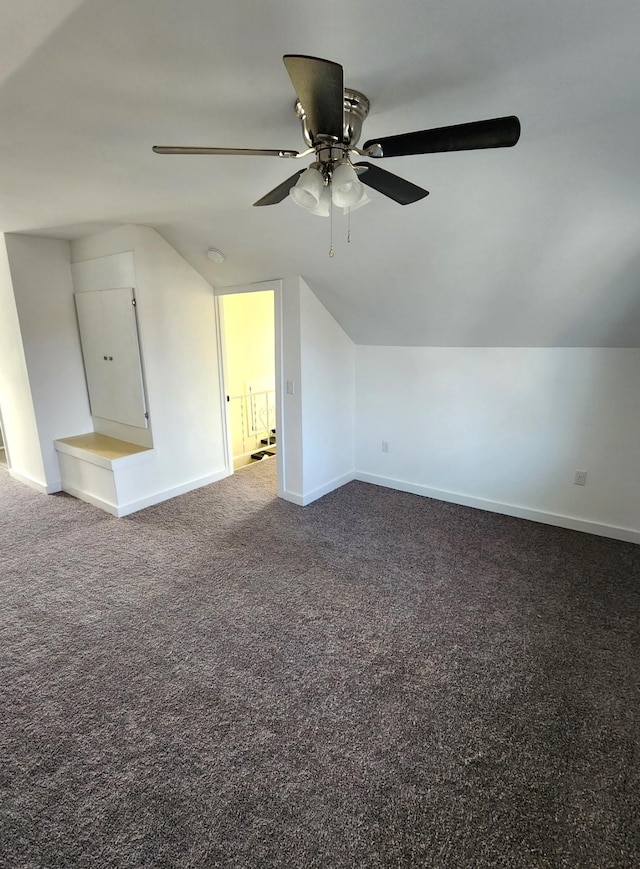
x,y
94,467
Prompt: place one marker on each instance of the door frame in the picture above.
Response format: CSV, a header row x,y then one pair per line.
x,y
3,443
276,287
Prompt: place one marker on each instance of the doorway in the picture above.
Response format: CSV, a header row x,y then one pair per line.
x,y
249,341
4,459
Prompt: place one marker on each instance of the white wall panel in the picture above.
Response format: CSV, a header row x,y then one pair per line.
x,y
48,330
109,337
506,426
104,272
177,331
328,398
18,413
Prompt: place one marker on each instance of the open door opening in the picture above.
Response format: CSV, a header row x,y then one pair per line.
x,y
4,459
250,367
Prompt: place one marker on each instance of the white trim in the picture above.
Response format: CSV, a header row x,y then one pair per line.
x,y
3,443
310,497
157,498
44,488
107,506
274,286
222,376
258,287
292,497
281,433
571,522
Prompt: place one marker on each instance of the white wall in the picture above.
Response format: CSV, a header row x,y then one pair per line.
x,y
176,319
107,273
289,425
41,283
18,414
327,370
506,429
316,419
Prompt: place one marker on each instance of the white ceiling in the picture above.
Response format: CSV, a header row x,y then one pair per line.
x,y
536,245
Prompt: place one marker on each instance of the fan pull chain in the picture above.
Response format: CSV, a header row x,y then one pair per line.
x,y
331,230
349,226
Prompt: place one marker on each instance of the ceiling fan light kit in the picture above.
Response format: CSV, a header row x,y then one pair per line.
x,y
331,117
309,189
323,184
346,190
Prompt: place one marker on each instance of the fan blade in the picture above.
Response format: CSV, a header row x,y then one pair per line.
x,y
494,133
319,85
280,192
390,185
243,152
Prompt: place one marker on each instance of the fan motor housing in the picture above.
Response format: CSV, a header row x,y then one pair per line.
x,y
356,109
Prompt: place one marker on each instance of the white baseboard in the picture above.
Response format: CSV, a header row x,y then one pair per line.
x,y
120,510
571,522
292,497
107,506
310,497
159,497
44,488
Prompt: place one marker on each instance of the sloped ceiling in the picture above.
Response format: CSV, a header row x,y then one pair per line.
x,y
537,245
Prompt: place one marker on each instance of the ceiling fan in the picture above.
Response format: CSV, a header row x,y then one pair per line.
x,y
331,117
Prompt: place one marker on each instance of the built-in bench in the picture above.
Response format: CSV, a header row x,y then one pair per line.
x,y
95,468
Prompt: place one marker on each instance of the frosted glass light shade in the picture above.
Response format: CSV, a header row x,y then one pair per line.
x,y
346,190
364,199
307,192
324,204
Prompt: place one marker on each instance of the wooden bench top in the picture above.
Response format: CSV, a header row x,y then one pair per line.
x,y
103,445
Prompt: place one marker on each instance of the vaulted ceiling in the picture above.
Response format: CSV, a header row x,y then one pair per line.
x,y
537,245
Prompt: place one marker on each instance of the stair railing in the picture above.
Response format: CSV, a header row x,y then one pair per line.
x,y
253,419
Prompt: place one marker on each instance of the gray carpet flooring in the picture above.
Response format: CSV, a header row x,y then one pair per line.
x,y
376,680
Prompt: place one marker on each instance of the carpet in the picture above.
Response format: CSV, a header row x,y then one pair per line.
x,y
375,680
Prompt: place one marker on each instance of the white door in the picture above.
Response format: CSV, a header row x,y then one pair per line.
x,y
109,337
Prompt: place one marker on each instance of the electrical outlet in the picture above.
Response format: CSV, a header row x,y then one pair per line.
x,y
291,387
580,478
385,446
